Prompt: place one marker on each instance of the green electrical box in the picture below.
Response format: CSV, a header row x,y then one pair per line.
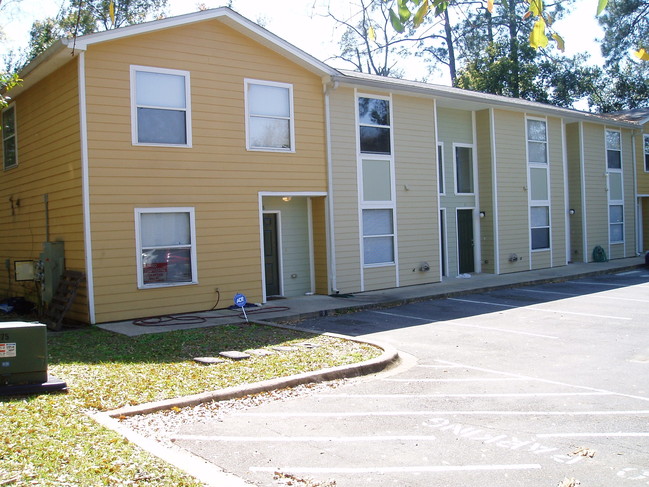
x,y
23,353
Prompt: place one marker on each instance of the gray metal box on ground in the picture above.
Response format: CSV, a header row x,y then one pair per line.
x,y
23,353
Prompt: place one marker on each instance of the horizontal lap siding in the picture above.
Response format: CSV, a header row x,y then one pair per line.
x,y
511,173
345,190
596,207
49,152
416,189
486,187
216,176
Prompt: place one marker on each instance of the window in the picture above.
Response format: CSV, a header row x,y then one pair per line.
x,y
540,227
376,167
160,101
463,170
166,246
646,153
615,186
440,167
539,187
374,125
9,146
378,236
269,116
616,222
613,150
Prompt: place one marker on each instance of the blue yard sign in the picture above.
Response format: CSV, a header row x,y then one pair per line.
x,y
240,301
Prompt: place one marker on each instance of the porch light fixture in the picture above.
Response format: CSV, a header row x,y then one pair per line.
x,y
571,211
482,214
286,198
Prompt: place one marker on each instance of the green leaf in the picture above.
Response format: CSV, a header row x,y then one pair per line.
x,y
421,14
404,12
601,5
396,22
537,36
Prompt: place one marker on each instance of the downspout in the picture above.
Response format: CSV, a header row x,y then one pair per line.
x,y
439,198
85,187
494,182
566,193
636,200
331,237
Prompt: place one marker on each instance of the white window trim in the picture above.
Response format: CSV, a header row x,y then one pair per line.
x,y
376,205
473,169
539,165
645,139
289,86
138,246
612,202
134,106
441,168
12,106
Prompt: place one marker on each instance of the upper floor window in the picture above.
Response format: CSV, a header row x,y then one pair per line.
x,y
537,142
9,146
464,170
160,107
269,116
613,150
646,153
374,125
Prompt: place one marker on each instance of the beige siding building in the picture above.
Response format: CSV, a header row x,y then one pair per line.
x,y
183,161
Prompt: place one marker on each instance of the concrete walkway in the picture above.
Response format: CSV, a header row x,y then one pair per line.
x,y
303,307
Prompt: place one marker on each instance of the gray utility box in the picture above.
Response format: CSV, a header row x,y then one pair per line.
x,y
23,353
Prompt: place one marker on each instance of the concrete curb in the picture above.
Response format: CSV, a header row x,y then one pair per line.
x,y
387,359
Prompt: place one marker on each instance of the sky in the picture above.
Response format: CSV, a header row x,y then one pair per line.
x,y
300,22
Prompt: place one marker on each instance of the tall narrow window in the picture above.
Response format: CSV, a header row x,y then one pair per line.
x,y
615,186
463,170
9,146
269,115
375,171
646,153
160,100
166,246
539,187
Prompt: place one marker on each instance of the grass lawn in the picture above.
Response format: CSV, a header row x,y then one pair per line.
x,y
47,440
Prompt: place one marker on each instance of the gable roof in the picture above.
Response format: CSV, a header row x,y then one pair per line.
x,y
63,50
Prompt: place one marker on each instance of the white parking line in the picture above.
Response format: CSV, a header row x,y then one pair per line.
x,y
388,470
581,295
545,381
472,379
532,308
298,439
592,435
354,414
521,395
465,325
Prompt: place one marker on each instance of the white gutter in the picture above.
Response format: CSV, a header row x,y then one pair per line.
x,y
85,187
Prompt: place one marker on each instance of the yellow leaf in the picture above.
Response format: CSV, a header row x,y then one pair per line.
x,y
536,7
601,5
490,6
371,34
561,44
111,12
642,54
421,14
537,36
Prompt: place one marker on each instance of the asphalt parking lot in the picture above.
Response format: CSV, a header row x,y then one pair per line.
x,y
525,386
